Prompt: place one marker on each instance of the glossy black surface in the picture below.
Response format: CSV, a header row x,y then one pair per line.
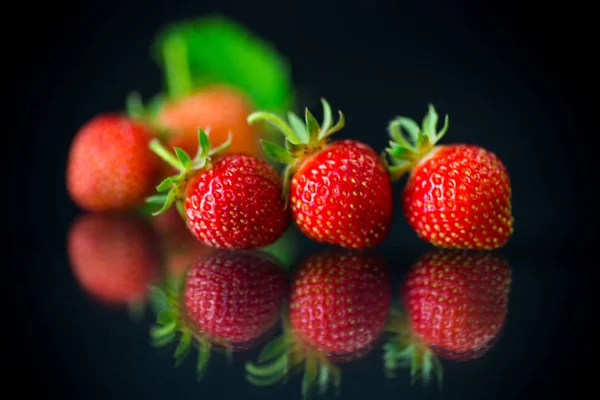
x,y
503,73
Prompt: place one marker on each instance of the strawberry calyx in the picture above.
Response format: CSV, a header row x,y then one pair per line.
x,y
406,152
287,355
172,326
407,349
173,187
302,138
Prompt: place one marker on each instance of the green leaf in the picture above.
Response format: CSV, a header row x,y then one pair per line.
x,y
219,50
312,125
176,64
444,129
410,126
276,152
299,127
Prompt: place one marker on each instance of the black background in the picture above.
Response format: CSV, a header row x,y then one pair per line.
x,y
512,76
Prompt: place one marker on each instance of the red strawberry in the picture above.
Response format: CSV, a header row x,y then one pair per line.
x,y
456,303
457,195
228,201
329,319
218,108
340,192
110,166
229,299
114,257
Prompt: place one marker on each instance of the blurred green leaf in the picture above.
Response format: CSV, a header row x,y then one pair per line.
x,y
221,51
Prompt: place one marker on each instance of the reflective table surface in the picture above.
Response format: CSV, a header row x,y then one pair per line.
x,y
141,309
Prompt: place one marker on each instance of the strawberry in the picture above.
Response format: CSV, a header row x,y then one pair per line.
x,y
328,318
457,195
340,192
456,303
110,167
219,108
114,257
228,201
229,299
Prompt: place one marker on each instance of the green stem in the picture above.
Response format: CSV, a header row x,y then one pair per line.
x,y
165,154
179,80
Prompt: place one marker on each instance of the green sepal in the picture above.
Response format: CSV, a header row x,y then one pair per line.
x,y
156,199
183,348
411,142
203,359
175,185
276,152
312,126
298,127
183,157
166,317
134,106
163,340
297,132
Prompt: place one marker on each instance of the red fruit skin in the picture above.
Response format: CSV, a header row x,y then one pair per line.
x,y
110,167
234,297
237,203
219,107
114,257
460,197
343,196
457,301
340,302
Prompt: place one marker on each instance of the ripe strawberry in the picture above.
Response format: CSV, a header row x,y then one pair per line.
x,y
229,299
456,303
219,108
457,195
340,192
110,166
114,257
231,201
329,319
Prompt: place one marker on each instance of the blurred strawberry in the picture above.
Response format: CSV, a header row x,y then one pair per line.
x,y
456,304
110,167
114,257
218,109
228,299
328,318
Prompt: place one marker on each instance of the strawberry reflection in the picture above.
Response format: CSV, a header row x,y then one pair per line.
x,y
328,320
227,300
456,304
114,257
179,246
